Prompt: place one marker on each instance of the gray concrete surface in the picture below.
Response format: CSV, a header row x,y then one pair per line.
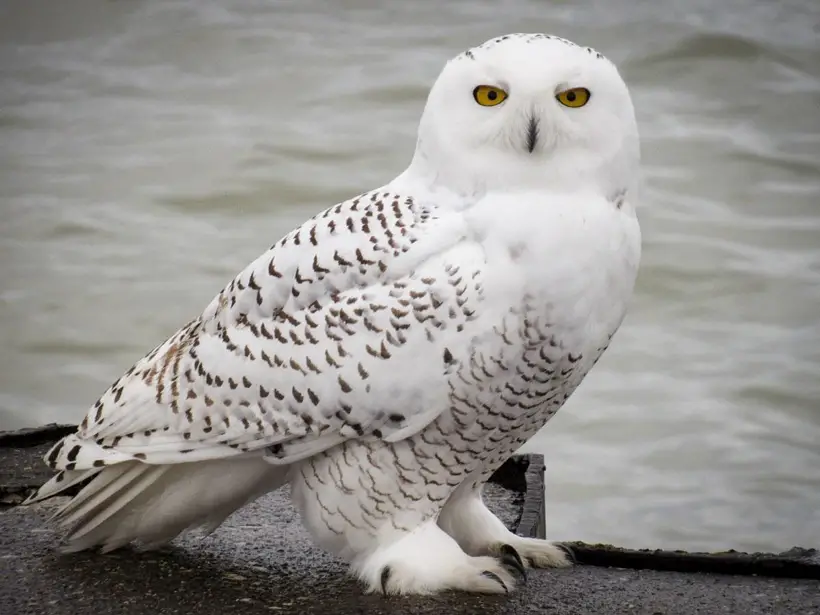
x,y
262,561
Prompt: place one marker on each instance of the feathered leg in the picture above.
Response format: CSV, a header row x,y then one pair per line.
x,y
478,531
427,560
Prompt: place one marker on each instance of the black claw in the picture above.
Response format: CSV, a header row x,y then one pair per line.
x,y
512,559
568,550
495,577
385,578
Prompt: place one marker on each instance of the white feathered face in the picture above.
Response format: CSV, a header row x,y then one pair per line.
x,y
529,110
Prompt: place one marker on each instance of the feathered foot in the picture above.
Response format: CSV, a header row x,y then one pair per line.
x,y
427,560
479,532
534,552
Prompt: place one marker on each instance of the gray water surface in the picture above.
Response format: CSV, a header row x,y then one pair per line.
x,y
150,150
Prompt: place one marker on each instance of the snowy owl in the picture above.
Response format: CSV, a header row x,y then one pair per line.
x,y
385,357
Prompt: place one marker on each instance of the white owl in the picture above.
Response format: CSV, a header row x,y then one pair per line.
x,y
388,355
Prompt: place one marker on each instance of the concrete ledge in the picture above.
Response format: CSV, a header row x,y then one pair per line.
x,y
262,561
47,434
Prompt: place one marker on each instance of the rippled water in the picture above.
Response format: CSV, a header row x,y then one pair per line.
x,y
149,150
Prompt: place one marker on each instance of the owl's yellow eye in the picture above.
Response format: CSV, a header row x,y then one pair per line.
x,y
576,97
489,96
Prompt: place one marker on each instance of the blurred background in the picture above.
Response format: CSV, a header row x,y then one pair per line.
x,y
150,150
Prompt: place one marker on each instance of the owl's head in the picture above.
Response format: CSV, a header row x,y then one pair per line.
x,y
529,111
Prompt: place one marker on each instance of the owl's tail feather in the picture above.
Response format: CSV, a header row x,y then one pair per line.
x,y
151,504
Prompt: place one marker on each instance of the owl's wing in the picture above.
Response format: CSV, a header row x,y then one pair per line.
x,y
347,327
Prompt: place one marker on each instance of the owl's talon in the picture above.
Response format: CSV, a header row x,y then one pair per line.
x,y
497,579
385,577
568,550
512,559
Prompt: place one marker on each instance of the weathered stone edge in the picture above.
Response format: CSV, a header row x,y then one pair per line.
x,y
35,436
533,514
796,563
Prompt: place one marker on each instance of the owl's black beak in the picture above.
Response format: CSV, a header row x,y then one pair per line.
x,y
532,133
